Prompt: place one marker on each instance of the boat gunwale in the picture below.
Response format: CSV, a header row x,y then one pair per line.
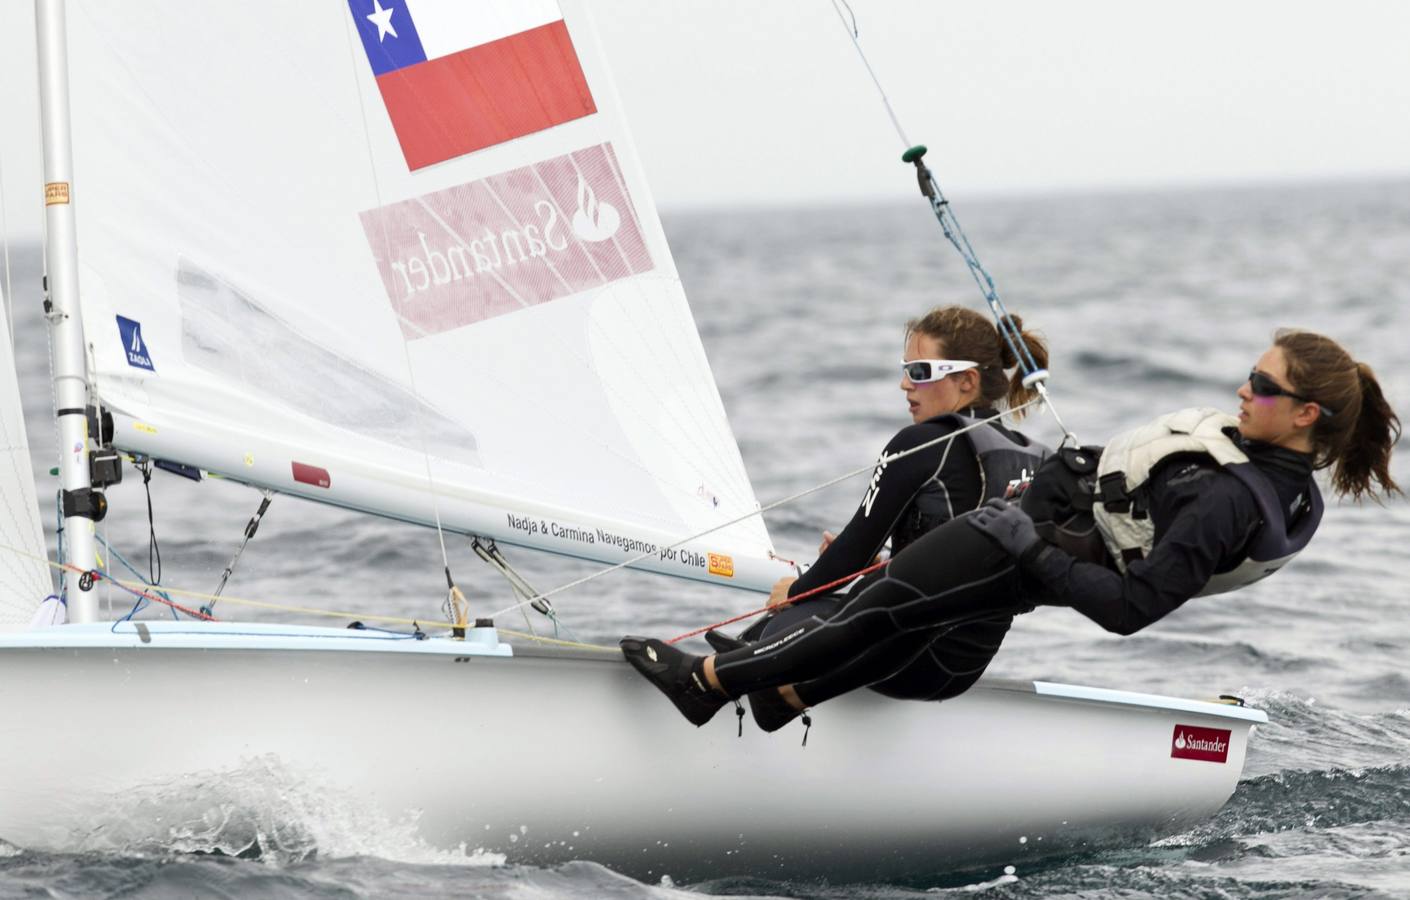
x,y
250,636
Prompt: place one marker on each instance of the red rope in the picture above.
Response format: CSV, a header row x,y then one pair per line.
x,y
99,576
791,600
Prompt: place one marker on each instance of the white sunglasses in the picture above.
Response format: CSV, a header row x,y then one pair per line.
x,y
922,371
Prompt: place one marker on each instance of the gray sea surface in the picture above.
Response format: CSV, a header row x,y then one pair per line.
x,y
1151,301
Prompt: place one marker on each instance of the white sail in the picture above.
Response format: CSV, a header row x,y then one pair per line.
x,y
402,258
24,575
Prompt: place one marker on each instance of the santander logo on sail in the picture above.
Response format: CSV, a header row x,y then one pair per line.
x,y
494,246
594,221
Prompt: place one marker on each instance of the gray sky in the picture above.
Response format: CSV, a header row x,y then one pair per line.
x,y
764,101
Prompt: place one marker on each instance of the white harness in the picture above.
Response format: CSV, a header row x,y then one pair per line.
x,y
1126,465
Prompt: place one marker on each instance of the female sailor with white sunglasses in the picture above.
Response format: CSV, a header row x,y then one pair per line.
x,y
957,374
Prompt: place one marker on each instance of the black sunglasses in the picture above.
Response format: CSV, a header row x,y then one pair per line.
x,y
1263,386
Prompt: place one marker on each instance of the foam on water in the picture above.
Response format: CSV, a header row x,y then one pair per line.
x,y
262,810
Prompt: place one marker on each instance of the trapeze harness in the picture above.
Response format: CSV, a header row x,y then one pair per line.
x,y
950,661
1006,461
1121,507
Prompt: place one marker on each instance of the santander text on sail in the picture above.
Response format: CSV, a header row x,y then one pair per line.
x,y
457,258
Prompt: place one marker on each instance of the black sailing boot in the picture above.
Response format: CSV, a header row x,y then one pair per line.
x,y
723,643
678,675
771,711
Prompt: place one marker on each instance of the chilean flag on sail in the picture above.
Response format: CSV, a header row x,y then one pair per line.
x,y
458,76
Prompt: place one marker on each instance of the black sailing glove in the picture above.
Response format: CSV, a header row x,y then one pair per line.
x,y
1005,524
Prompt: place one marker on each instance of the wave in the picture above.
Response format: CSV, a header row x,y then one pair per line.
x,y
261,810
1304,735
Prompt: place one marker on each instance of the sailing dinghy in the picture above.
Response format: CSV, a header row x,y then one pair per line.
x,y
333,255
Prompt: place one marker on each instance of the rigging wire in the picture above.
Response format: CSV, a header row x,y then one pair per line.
x,y
855,35
495,558
886,458
1034,377
137,588
250,528
454,602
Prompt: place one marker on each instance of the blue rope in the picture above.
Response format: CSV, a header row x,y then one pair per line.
x,y
135,574
141,604
59,533
1033,376
357,633
956,236
418,634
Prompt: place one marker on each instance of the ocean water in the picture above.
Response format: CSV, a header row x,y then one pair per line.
x,y
1150,301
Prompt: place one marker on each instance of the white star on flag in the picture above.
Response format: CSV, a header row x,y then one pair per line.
x,y
382,18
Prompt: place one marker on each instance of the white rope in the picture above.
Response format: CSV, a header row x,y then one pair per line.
x,y
853,34
885,459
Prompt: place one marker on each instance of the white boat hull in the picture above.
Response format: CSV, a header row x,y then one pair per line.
x,y
546,756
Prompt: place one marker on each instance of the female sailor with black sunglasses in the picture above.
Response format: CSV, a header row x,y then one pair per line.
x,y
957,373
1192,504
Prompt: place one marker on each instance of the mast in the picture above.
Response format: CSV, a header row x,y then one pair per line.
x,y
81,505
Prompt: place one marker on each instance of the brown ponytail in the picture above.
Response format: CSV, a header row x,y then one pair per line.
x,y
1356,438
966,334
1017,393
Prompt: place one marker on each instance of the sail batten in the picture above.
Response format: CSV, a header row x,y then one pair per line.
x,y
277,271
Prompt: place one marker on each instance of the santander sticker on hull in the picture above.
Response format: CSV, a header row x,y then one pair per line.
x,y
1194,742
494,246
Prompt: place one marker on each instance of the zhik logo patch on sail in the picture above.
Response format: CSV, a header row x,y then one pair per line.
x,y
133,344
1193,742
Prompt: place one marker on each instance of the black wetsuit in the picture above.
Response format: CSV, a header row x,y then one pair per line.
x,y
1204,518
906,498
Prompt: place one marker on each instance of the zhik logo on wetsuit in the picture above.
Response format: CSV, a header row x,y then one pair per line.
x,y
133,345
875,487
